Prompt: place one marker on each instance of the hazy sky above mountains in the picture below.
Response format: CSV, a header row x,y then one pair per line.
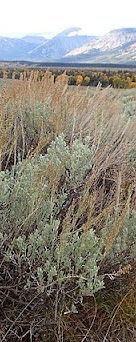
x,y
96,17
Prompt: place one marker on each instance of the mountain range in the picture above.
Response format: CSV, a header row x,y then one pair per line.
x,y
40,49
117,46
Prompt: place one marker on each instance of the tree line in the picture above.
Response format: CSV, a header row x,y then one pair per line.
x,y
123,79
117,79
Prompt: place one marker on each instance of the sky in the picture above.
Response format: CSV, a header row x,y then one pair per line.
x,y
49,17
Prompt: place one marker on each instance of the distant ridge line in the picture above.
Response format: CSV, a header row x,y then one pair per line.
x,y
70,65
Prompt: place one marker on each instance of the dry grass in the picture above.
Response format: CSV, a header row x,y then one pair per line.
x,y
32,114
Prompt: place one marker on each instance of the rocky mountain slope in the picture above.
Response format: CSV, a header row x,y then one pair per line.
x,y
60,45
117,46
14,49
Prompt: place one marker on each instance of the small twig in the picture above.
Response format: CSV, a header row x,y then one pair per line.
x,y
92,321
117,307
19,317
27,332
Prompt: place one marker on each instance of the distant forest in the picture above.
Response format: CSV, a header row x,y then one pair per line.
x,y
107,75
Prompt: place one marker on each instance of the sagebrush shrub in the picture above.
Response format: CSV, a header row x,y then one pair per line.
x,y
32,201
